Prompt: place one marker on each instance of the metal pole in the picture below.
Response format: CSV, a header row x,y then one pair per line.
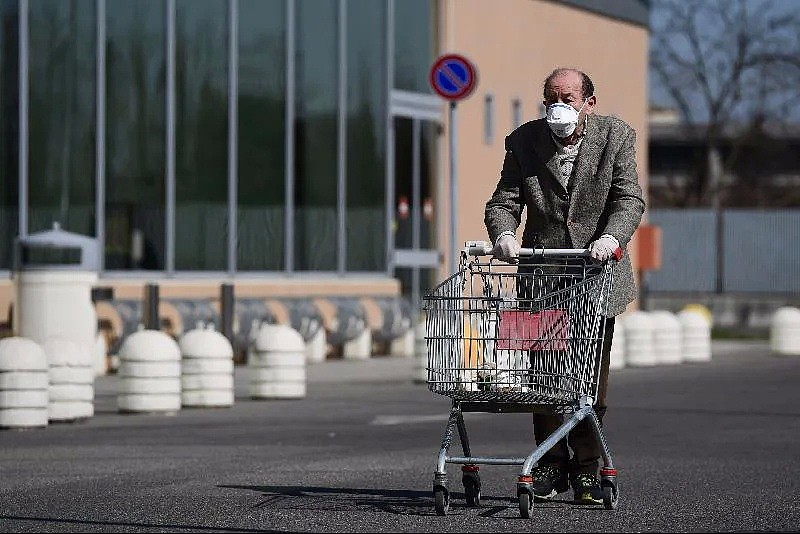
x,y
227,305
23,117
288,214
151,297
453,188
100,140
233,132
170,140
715,171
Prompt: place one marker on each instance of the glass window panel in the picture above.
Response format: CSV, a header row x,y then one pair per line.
x,y
403,181
262,134
366,135
414,43
62,115
201,135
316,153
428,173
9,130
135,134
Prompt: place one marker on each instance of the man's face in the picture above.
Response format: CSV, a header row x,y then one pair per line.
x,y
566,88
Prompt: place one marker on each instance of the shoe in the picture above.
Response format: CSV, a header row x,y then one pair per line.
x,y
549,481
587,489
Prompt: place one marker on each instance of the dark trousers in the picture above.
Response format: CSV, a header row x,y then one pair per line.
x,y
582,440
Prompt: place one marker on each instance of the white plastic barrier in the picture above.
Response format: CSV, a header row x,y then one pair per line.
x,y
358,348
784,333
667,337
420,353
317,347
207,377
277,366
71,380
150,373
100,355
639,346
23,384
617,357
403,346
696,332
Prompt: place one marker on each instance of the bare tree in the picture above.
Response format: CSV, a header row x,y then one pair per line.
x,y
731,68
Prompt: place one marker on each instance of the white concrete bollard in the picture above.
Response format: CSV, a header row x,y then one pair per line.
x,y
696,332
358,348
784,332
617,356
403,346
277,366
639,349
420,353
100,355
317,347
23,384
150,373
207,369
667,337
71,380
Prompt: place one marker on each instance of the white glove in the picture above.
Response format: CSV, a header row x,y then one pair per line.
x,y
603,248
506,248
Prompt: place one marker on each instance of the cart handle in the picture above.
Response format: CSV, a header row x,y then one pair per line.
x,y
484,248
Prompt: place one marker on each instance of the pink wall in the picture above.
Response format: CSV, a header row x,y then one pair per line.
x,y
515,44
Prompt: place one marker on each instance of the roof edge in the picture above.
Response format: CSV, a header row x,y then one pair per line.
x,y
633,11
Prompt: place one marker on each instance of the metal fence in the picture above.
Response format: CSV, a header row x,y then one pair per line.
x,y
760,248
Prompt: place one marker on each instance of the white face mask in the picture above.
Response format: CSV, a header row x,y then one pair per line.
x,y
563,119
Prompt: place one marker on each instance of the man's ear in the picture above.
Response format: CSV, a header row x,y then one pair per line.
x,y
591,102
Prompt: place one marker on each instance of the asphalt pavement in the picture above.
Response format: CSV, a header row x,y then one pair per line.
x,y
699,447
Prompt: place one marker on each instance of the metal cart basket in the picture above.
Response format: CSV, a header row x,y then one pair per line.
x,y
524,338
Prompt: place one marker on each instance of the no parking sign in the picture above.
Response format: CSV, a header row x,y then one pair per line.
x,y
453,77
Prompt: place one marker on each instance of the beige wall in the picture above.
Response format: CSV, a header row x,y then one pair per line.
x,y
515,44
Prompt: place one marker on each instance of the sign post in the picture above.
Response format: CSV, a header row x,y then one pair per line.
x,y
454,78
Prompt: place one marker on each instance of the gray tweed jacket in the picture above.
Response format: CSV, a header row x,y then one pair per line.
x,y
604,196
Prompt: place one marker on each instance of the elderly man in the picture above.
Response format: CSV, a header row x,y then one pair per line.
x,y
575,171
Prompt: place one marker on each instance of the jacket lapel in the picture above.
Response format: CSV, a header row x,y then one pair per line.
x,y
545,147
586,165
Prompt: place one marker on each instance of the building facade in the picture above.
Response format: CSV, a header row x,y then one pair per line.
x,y
286,146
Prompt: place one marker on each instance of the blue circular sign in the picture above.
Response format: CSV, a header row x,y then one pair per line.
x,y
453,77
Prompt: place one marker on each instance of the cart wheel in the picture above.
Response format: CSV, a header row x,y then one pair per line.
x,y
525,504
442,500
610,495
472,489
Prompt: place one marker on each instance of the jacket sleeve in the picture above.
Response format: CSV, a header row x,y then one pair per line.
x,y
625,204
504,208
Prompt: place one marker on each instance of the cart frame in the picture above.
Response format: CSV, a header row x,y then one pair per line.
x,y
569,375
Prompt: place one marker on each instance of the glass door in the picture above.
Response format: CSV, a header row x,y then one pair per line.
x,y
416,256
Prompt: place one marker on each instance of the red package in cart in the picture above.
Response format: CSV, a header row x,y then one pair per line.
x,y
524,330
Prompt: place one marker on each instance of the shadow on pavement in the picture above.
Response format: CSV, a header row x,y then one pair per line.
x,y
161,526
394,501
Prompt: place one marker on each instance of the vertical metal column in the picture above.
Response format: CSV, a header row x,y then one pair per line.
x,y
150,312
228,303
341,190
24,56
416,178
453,190
170,178
100,140
389,181
233,122
288,220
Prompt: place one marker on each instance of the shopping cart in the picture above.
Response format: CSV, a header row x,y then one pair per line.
x,y
510,339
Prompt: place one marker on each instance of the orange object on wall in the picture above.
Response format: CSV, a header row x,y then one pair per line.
x,y
648,247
